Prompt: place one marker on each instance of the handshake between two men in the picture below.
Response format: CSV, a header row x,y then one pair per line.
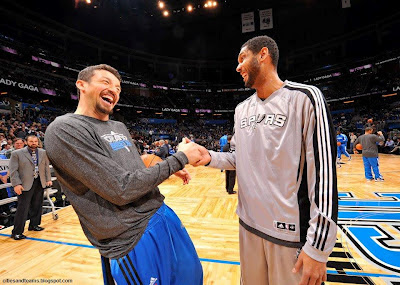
x,y
196,154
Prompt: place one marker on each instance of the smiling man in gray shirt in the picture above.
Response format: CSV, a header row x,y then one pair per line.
x,y
120,208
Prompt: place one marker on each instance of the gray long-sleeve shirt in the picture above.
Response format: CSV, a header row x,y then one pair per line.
x,y
104,178
369,146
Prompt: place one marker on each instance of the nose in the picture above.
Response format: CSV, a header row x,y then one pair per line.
x,y
115,90
239,67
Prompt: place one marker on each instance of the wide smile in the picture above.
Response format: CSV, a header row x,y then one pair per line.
x,y
108,99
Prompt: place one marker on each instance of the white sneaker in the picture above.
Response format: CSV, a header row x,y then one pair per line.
x,y
349,157
370,180
379,179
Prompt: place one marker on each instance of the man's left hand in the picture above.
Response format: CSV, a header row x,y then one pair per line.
x,y
49,183
184,175
314,272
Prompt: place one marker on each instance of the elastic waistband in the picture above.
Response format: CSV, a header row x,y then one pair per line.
x,y
270,238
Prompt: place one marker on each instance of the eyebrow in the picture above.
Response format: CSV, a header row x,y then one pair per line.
x,y
105,77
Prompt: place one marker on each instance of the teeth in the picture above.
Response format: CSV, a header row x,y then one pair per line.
x,y
108,99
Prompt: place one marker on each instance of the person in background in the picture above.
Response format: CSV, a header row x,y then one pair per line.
x,y
30,173
230,175
370,153
341,149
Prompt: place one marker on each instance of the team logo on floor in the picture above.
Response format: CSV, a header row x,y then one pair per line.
x,y
372,227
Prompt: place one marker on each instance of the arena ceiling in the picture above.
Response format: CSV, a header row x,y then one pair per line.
x,y
212,34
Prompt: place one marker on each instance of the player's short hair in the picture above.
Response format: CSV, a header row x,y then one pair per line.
x,y
229,137
87,73
257,43
367,129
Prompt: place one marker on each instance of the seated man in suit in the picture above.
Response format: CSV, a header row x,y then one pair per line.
x,y
30,174
163,151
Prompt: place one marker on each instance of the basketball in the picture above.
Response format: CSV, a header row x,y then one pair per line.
x,y
359,146
150,160
369,121
339,143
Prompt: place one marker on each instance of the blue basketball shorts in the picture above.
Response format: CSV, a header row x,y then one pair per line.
x,y
164,255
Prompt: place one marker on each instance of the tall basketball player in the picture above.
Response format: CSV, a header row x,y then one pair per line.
x,y
285,151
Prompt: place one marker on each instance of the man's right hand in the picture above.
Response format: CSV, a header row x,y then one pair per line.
x,y
191,150
18,189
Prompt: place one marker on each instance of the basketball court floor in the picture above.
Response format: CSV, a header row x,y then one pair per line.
x,y
367,250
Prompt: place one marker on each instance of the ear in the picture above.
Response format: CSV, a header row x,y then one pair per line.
x,y
81,85
264,54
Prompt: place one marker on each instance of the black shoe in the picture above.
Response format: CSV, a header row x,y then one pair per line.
x,y
36,228
18,237
4,215
233,192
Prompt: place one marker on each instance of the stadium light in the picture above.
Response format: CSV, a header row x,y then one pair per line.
x,y
3,93
210,4
387,95
190,8
161,4
166,13
88,1
347,102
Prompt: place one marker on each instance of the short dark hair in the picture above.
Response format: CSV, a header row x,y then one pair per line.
x,y
87,73
31,136
18,139
229,138
367,129
257,43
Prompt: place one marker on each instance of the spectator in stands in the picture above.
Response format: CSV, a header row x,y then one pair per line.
x,y
389,145
18,143
353,138
30,174
396,148
5,148
20,132
3,139
230,175
370,153
127,220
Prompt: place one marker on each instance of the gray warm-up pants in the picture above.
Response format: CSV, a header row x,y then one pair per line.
x,y
266,263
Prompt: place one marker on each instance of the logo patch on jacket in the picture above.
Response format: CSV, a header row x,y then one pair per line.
x,y
277,120
285,226
117,141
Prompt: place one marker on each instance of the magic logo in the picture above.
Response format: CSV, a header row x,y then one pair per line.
x,y
117,141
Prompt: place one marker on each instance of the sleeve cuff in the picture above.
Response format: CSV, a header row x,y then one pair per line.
x,y
213,161
315,254
182,158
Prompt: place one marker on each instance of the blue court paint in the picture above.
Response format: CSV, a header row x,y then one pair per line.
x,y
53,241
220,261
369,203
369,216
365,274
374,241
